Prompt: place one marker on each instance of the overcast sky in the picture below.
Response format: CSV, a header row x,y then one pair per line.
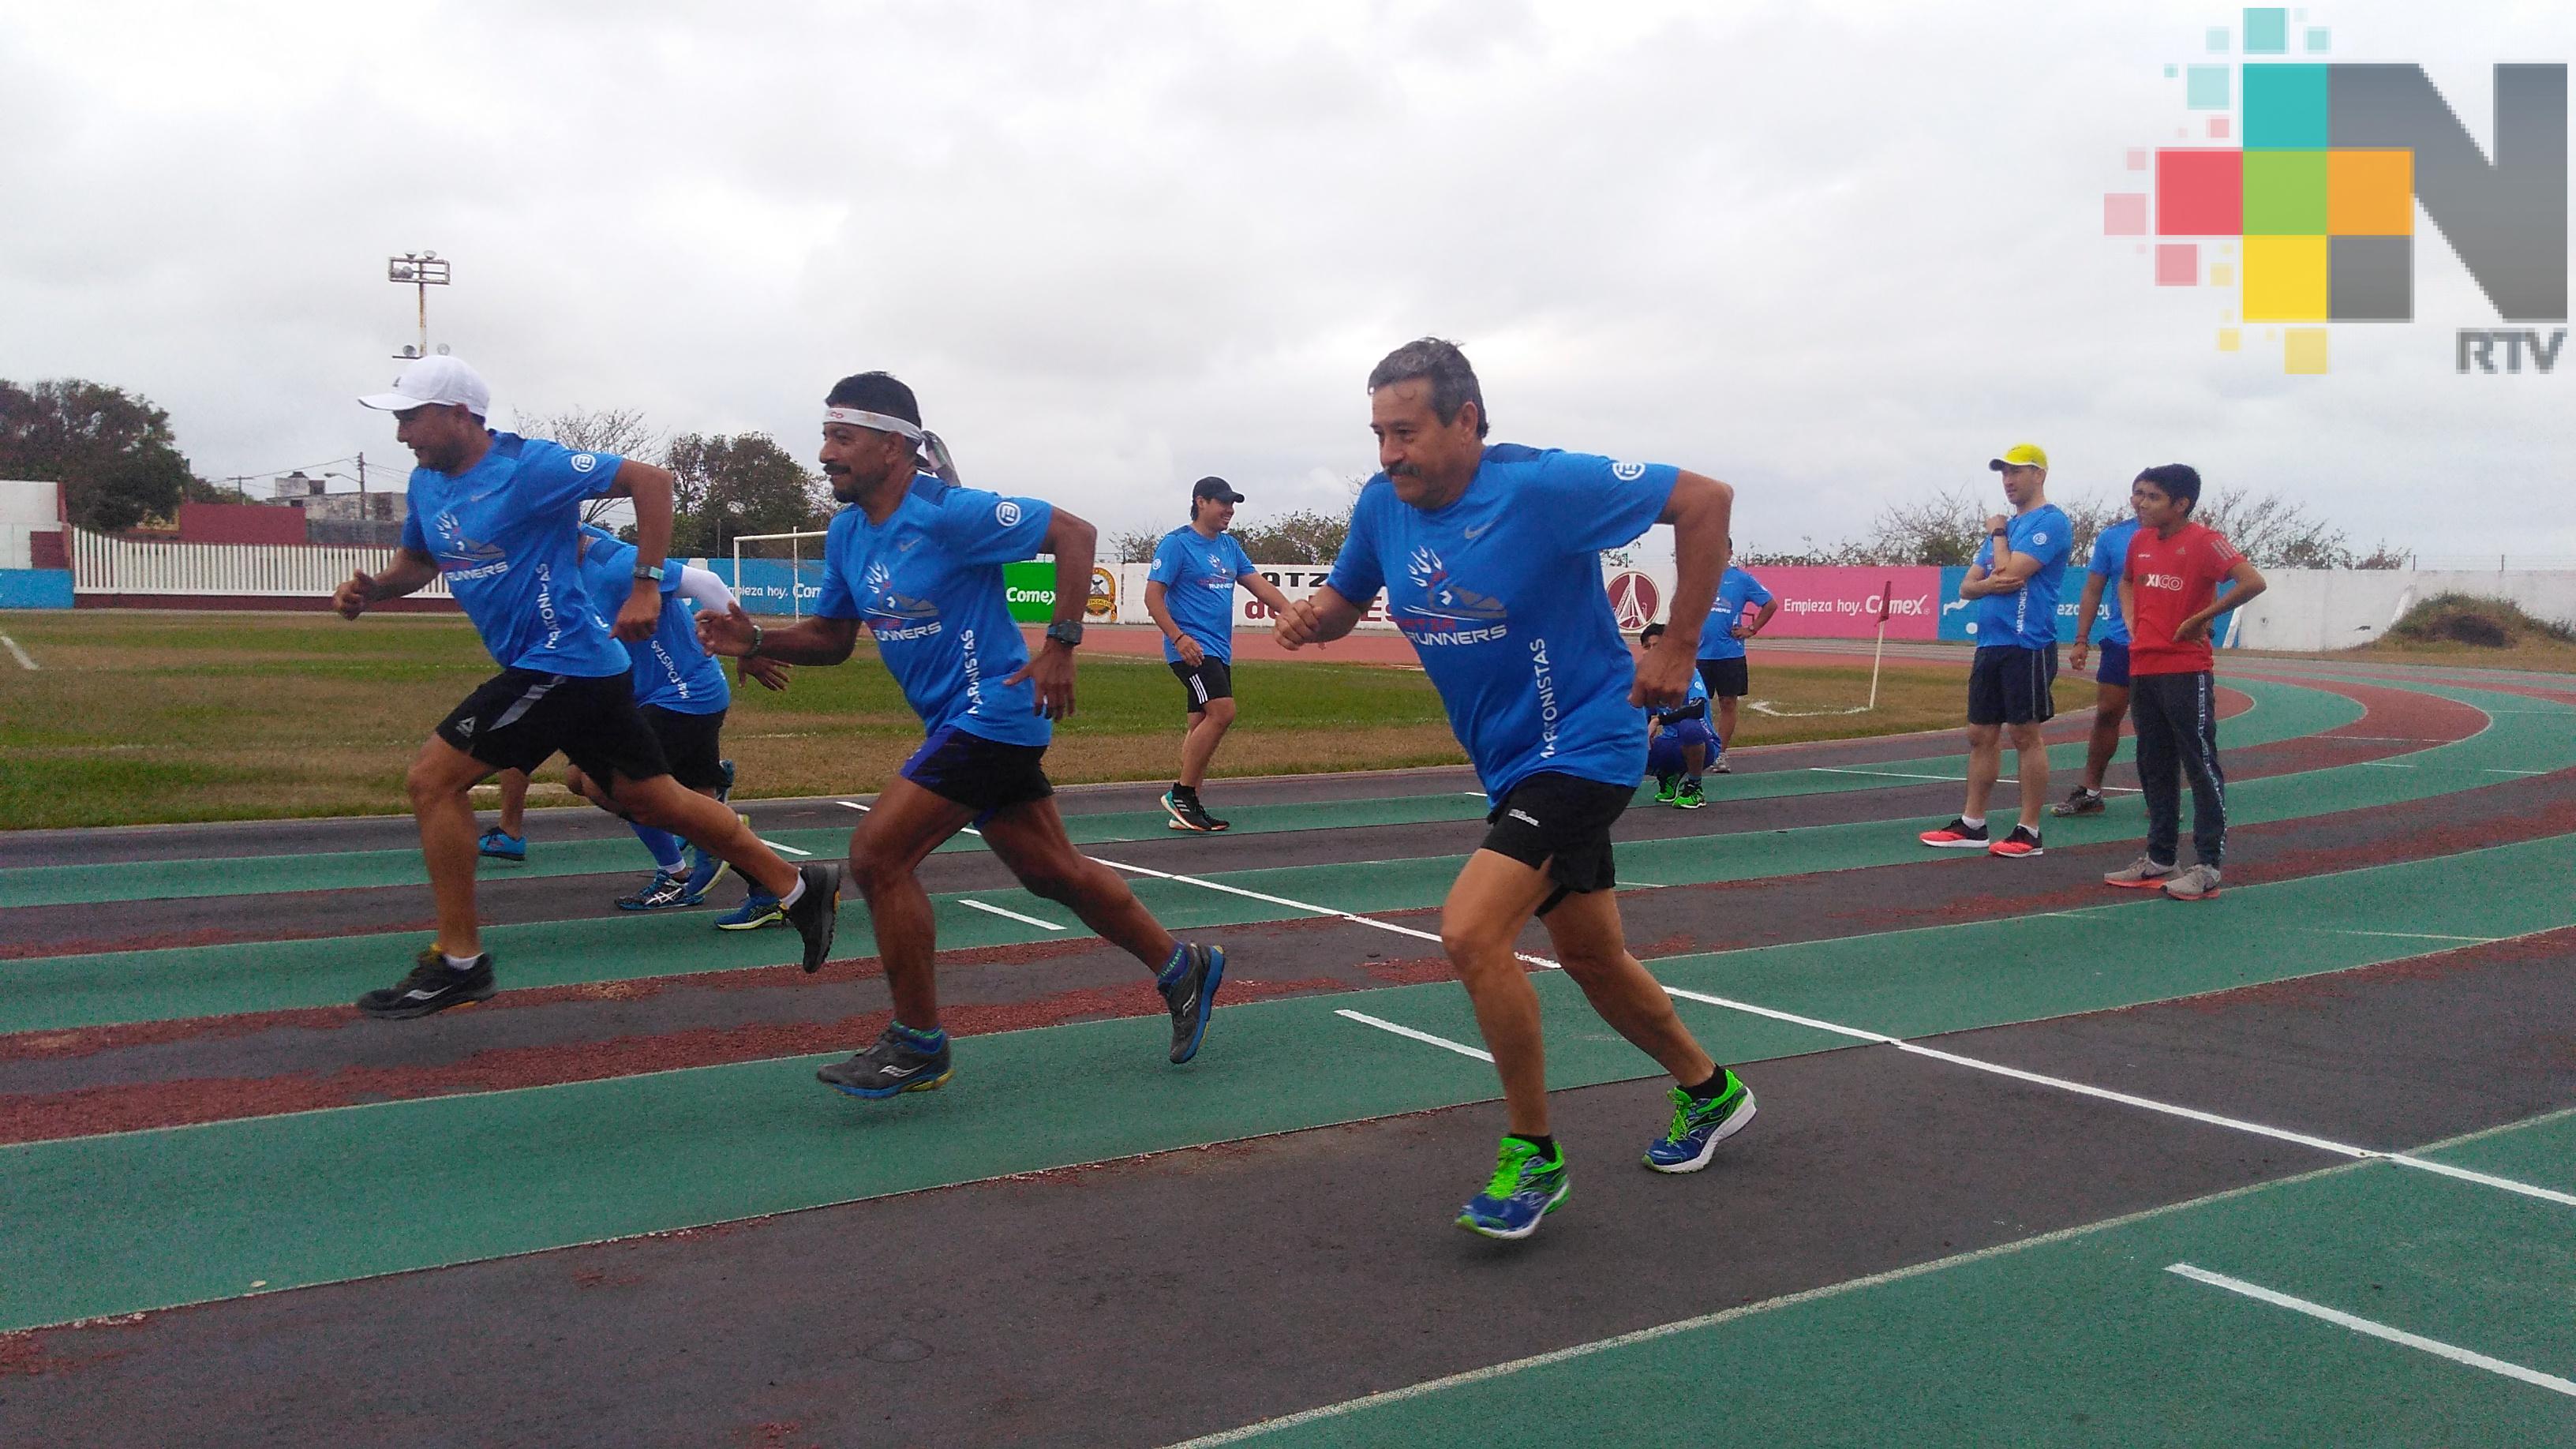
x,y
1836,255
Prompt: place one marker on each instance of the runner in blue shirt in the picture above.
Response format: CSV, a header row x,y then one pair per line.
x,y
497,516
1678,741
1490,558
1189,590
1721,648
2013,585
917,560
2111,685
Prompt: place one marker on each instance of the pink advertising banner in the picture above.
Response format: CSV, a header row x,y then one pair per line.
x,y
1844,603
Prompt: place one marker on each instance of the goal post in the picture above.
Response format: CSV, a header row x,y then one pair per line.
x,y
795,544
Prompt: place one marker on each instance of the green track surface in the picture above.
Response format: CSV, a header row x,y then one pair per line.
x,y
2086,1339
2282,711
148,1219
61,992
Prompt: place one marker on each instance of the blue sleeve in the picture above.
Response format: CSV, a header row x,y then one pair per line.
x,y
1242,561
977,527
414,541
1593,503
552,474
1166,568
1356,573
2109,556
835,600
1754,593
2043,535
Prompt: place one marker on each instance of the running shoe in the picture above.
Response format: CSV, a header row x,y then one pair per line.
x,y
666,889
2022,844
501,845
1191,994
817,913
1188,814
2196,884
1957,835
2081,802
1690,797
758,909
704,871
890,1068
1667,788
1719,766
433,985
2141,874
1698,1126
1524,1190
724,786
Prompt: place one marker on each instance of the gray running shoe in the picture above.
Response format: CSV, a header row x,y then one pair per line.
x,y
2196,884
2140,874
890,1068
1192,997
816,914
2081,802
666,889
1719,766
433,985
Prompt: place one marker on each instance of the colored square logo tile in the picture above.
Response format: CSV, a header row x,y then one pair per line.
x,y
2229,339
2124,213
2218,40
2200,192
2370,193
2205,88
2303,351
2177,264
2218,128
2372,278
2285,279
2285,107
2320,40
2267,31
2285,193
2222,274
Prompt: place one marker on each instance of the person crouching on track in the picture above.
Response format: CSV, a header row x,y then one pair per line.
x,y
1678,740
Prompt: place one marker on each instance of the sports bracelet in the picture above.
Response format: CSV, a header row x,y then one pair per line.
x,y
755,642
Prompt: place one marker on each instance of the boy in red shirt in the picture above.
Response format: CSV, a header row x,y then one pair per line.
x,y
2169,595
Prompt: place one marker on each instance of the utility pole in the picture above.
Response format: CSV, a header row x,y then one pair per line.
x,y
420,270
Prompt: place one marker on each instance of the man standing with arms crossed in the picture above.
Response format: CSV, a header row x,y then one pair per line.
x,y
1190,592
498,516
1490,557
918,561
2015,582
2111,685
1721,649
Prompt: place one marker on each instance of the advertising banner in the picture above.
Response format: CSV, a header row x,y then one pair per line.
x,y
771,585
1957,614
1029,588
1844,603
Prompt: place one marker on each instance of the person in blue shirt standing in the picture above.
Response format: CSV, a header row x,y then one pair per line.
x,y
917,561
1678,741
1189,590
1490,559
2014,583
1721,648
497,516
2109,562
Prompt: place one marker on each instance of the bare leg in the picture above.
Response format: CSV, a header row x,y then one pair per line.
x,y
1985,763
2031,753
2110,708
1592,947
1694,761
1198,747
1031,840
886,851
514,803
1487,907
1726,707
665,804
440,778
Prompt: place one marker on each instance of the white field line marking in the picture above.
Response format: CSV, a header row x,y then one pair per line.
x,y
19,654
2389,739
1461,1048
2476,769
2341,1319
853,804
782,849
2405,935
1014,915
1640,885
1899,775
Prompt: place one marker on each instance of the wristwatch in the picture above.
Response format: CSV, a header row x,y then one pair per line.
x,y
653,572
1066,632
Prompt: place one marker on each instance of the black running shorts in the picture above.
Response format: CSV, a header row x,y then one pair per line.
x,y
2009,685
1726,678
518,719
983,775
692,744
1210,678
1560,824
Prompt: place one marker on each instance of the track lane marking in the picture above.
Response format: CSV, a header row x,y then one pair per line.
x,y
782,849
24,662
1013,915
2341,1319
1461,1048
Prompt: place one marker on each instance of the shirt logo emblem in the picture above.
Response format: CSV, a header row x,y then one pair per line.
x,y
1443,600
1479,531
883,600
584,462
1627,472
1007,513
2038,539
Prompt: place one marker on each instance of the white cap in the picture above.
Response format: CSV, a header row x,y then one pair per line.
x,y
433,380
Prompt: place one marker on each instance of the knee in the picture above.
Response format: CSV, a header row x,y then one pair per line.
x,y
872,873
1220,712
1062,881
427,786
1474,946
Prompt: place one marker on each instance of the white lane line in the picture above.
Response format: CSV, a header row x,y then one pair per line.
x,y
1899,775
782,849
853,804
2499,770
2390,739
17,653
2476,769
1014,915
1461,1048
2405,935
2341,1319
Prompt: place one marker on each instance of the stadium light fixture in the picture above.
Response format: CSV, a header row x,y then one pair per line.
x,y
421,270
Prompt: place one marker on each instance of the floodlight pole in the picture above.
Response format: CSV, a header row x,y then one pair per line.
x,y
422,271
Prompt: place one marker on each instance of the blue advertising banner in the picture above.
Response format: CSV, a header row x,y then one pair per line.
x,y
765,582
1956,629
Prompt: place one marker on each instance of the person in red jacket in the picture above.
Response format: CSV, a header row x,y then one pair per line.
x,y
2169,594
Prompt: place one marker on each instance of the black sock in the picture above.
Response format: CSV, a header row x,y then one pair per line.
x,y
1546,1145
1709,1090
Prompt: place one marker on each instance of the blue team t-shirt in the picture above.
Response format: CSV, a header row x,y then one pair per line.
x,y
1734,592
2026,618
928,583
671,670
1197,574
1697,699
502,535
2110,560
1501,594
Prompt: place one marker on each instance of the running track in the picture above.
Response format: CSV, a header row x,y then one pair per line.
x,y
612,1206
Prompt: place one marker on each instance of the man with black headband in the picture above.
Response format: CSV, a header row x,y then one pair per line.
x,y
918,560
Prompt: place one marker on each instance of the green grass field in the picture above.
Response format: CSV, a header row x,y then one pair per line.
x,y
139,717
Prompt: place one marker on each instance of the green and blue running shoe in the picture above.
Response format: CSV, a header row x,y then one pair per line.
x,y
1698,1126
666,889
1524,1190
758,909
1666,788
1690,796
898,1063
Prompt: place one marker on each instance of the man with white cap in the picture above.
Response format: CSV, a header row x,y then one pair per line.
x,y
498,516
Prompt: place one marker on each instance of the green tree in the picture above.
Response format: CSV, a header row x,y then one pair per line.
x,y
729,486
112,450
1304,536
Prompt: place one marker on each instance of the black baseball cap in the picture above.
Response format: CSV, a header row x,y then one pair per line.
x,y
1216,488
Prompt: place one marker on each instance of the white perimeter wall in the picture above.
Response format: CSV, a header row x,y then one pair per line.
x,y
2338,608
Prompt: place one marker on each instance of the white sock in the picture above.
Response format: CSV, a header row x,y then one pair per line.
x,y
1973,822
793,891
459,963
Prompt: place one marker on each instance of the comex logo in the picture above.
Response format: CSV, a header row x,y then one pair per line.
x,y
2309,214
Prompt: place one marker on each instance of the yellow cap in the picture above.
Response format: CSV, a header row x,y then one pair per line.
x,y
2021,455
